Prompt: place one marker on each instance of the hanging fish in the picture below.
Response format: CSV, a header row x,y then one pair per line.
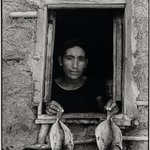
x,y
56,134
104,132
117,136
68,137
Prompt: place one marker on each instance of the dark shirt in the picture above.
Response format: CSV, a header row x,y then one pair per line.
x,y
82,99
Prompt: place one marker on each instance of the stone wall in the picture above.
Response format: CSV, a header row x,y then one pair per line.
x,y
18,110
19,47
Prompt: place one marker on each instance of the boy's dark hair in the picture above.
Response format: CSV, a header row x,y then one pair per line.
x,y
71,43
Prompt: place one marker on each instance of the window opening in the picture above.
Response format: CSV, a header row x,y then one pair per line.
x,y
129,110
98,29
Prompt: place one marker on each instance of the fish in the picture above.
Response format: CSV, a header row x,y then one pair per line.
x,y
108,134
56,135
68,137
117,136
103,134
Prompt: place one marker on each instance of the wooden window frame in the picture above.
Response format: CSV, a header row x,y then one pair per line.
x,y
47,32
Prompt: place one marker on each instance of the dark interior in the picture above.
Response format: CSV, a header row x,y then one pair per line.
x,y
95,28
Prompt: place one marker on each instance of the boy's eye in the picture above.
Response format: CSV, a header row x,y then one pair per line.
x,y
68,57
81,59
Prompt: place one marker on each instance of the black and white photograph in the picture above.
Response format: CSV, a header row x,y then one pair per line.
x,y
75,74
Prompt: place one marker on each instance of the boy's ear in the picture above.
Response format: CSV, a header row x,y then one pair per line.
x,y
60,60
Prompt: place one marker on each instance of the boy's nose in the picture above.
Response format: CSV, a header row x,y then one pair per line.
x,y
74,64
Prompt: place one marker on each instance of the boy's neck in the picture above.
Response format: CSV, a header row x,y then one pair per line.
x,y
69,84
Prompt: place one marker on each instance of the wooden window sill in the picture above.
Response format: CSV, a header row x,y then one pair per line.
x,y
85,118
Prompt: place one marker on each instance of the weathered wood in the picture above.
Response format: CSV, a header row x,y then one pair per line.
x,y
44,41
77,116
76,6
129,103
114,58
49,55
91,118
43,133
85,4
85,116
76,121
40,49
135,138
118,58
102,2
28,14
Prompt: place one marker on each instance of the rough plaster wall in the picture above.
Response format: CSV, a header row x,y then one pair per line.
x,y
140,53
18,111
140,70
140,46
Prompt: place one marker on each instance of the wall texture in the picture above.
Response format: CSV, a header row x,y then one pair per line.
x,y
18,111
140,69
19,47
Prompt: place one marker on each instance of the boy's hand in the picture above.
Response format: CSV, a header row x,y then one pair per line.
x,y
53,107
111,106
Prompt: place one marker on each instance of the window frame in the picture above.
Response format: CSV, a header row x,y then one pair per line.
x,y
46,39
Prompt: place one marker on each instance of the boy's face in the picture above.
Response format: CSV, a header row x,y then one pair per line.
x,y
109,88
74,62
